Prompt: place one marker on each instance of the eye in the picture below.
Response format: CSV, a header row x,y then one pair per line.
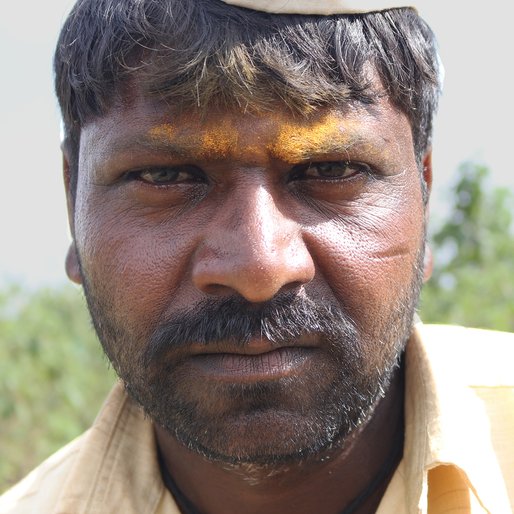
x,y
333,170
162,176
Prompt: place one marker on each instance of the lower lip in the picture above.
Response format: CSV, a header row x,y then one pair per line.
x,y
278,363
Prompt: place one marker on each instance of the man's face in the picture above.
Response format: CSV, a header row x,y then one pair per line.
x,y
252,278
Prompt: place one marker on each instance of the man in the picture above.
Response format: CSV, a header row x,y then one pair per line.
x,y
248,199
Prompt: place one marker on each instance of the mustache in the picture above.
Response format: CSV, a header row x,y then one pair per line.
x,y
281,320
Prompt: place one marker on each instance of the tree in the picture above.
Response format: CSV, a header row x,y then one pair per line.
x,y
473,279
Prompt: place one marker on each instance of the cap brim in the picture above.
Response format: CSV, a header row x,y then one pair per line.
x,y
324,7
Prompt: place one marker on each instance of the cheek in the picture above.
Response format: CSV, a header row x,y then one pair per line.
x,y
131,261
368,255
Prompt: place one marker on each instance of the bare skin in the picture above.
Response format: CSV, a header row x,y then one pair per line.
x,y
172,210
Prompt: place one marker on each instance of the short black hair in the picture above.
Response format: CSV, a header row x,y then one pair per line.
x,y
203,53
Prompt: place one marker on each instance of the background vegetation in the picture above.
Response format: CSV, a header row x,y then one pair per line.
x,y
473,279
53,377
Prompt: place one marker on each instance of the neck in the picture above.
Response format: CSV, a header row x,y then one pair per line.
x,y
352,476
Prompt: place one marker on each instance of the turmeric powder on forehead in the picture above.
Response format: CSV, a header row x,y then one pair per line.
x,y
294,141
219,140
291,141
164,132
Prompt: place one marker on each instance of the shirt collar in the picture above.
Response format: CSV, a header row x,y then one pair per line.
x,y
446,425
117,469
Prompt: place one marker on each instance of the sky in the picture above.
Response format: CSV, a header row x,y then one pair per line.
x,y
474,122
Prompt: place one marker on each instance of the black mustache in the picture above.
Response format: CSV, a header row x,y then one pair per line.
x,y
281,320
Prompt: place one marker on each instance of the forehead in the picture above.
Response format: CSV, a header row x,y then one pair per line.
x,y
148,125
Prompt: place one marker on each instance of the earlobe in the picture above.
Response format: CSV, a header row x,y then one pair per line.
x,y
428,263
72,265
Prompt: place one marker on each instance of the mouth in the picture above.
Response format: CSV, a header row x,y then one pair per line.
x,y
256,361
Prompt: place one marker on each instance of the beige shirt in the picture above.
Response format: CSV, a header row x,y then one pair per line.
x,y
458,454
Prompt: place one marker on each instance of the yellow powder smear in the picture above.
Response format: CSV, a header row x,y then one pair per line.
x,y
219,141
164,132
215,141
295,141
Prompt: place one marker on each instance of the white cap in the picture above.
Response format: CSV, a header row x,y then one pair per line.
x,y
317,6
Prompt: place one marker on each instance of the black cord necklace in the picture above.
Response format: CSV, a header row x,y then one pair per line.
x,y
383,473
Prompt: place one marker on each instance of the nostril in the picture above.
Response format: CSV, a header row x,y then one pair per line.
x,y
217,290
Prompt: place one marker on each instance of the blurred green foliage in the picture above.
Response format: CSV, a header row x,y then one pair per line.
x,y
473,279
53,376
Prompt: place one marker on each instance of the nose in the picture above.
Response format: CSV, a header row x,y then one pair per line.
x,y
252,249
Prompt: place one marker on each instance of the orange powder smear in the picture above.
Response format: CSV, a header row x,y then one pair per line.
x,y
164,132
216,140
294,141
219,141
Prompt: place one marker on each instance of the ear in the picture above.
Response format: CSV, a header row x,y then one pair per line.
x,y
66,176
428,262
71,264
72,261
427,171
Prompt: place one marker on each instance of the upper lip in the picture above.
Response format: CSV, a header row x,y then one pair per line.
x,y
256,346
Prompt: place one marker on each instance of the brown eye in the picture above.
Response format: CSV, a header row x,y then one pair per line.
x,y
167,175
334,170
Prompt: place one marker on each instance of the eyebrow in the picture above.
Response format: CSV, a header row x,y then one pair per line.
x,y
180,148
297,149
305,150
